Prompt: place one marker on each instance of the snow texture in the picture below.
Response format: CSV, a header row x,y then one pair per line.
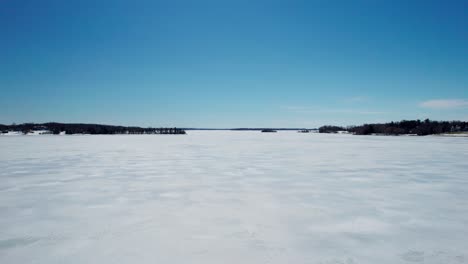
x,y
233,197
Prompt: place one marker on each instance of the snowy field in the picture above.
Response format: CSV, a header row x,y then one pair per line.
x,y
233,197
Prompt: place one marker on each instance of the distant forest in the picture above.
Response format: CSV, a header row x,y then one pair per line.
x,y
415,127
94,129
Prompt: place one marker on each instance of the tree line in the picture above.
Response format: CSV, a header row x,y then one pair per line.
x,y
415,127
93,129
331,129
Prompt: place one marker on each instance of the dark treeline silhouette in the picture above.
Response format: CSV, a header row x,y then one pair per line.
x,y
331,129
415,127
94,129
268,131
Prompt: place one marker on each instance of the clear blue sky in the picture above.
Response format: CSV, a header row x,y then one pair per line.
x,y
233,63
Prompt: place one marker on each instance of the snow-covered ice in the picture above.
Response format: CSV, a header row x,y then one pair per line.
x,y
233,197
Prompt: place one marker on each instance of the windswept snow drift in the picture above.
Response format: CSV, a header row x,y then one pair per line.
x,y
233,197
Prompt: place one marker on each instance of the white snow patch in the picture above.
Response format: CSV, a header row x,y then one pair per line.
x,y
233,197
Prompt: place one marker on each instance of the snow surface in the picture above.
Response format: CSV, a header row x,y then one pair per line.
x,y
12,133
455,135
32,133
233,197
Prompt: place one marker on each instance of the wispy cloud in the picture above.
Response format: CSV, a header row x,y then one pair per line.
x,y
309,110
357,99
444,103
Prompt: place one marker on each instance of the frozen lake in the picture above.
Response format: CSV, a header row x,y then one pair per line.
x,y
233,197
